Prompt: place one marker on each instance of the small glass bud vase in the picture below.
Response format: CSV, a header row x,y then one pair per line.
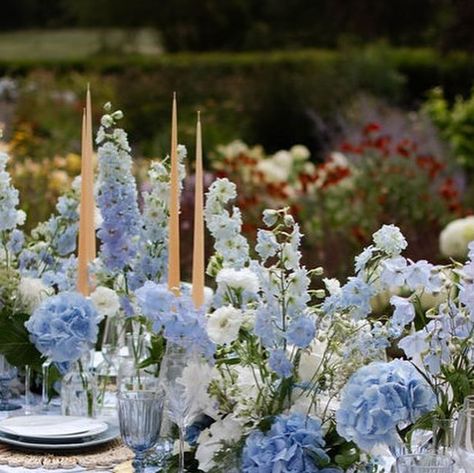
x,y
79,389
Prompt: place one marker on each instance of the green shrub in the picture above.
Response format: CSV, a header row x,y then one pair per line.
x,y
455,122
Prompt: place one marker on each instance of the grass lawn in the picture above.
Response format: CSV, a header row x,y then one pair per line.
x,y
76,43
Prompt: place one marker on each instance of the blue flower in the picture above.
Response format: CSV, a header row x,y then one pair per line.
x,y
280,364
380,397
301,332
293,444
16,242
117,200
9,198
267,245
180,321
64,326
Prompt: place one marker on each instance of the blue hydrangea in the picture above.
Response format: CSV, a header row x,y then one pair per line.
x,y
380,397
181,323
293,444
280,364
117,200
64,326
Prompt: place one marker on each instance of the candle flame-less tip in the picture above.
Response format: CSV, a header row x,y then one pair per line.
x,y
199,115
174,95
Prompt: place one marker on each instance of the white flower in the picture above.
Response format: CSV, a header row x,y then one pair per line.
x,y
333,286
20,217
272,171
32,291
300,152
238,279
106,301
390,240
212,439
224,324
456,236
233,149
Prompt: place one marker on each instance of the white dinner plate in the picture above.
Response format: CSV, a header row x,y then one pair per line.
x,y
110,434
54,427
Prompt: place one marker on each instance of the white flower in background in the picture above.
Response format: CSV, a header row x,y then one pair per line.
x,y
238,279
32,291
233,149
224,324
300,153
456,236
283,159
106,301
211,440
339,159
272,171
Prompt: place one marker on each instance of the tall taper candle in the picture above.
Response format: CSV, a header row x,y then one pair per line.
x,y
174,271
198,250
90,150
83,260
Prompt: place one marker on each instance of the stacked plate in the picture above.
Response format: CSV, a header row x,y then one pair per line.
x,y
54,432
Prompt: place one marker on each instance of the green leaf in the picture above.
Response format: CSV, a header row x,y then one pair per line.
x,y
15,342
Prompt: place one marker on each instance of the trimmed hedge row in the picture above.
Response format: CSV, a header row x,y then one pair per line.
x,y
275,98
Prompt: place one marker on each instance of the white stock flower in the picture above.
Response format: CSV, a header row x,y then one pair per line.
x,y
212,439
224,324
456,236
106,301
390,240
32,291
238,279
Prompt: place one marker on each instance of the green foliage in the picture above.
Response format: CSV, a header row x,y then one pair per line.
x,y
455,122
15,342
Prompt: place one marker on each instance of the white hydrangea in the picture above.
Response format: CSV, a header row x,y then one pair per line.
x,y
238,279
32,292
224,324
456,236
106,301
390,240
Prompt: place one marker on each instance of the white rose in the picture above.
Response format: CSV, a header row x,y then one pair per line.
x,y
456,236
224,324
32,291
106,301
243,279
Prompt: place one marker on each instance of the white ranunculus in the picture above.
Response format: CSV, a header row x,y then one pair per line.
x,y
32,291
106,301
243,279
456,236
212,439
224,324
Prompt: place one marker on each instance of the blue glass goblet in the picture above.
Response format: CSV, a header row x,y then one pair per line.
x,y
140,415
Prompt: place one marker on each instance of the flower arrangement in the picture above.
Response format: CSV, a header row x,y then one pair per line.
x,y
305,373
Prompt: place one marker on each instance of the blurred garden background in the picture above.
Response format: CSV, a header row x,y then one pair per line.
x,y
352,112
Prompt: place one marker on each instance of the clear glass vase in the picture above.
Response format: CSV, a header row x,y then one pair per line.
x,y
79,390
